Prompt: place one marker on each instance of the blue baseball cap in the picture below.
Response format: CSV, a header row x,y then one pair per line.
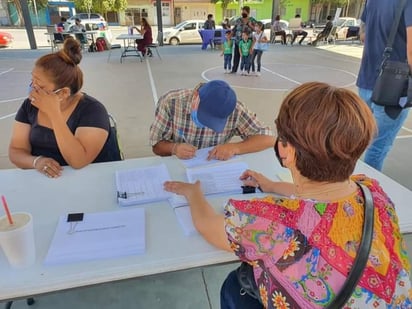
x,y
216,102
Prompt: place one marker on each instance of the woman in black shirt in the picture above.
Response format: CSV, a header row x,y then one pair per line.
x,y
58,124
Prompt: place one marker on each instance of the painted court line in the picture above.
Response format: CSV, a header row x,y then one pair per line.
x,y
11,100
7,116
4,72
152,83
406,129
403,136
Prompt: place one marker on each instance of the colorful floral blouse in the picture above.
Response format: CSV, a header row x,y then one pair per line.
x,y
302,250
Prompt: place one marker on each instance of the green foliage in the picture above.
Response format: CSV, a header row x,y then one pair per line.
x,y
100,6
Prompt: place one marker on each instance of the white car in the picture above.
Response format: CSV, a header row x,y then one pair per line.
x,y
343,24
185,32
96,21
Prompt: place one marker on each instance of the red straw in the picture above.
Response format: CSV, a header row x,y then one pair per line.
x,y
6,208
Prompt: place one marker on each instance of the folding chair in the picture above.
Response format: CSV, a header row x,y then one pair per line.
x,y
218,38
55,38
332,35
114,140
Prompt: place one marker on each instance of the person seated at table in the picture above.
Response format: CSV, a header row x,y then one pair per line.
x,y
208,115
78,28
58,124
302,241
324,33
146,31
278,30
63,23
299,31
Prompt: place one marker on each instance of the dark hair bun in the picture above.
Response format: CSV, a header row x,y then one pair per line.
x,y
71,52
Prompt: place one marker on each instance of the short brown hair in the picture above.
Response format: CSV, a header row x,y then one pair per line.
x,y
62,66
246,8
329,127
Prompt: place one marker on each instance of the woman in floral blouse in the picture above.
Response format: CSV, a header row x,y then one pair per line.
x,y
303,241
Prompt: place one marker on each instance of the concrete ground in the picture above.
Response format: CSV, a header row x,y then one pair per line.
x,y
130,91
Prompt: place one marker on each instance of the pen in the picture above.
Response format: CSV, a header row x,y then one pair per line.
x,y
180,131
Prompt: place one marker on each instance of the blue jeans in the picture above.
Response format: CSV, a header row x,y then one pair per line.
x,y
245,63
227,61
230,297
258,55
388,128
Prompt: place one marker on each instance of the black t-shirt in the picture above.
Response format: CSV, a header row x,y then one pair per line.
x,y
88,113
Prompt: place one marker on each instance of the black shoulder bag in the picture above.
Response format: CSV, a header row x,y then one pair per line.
x,y
247,281
394,76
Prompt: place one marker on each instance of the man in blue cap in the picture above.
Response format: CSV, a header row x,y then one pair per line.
x,y
206,116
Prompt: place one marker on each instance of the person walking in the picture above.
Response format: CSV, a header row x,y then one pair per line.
x,y
377,19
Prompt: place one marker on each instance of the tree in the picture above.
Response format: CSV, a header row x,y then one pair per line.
x,y
40,4
224,4
100,6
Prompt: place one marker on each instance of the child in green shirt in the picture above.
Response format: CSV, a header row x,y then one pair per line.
x,y
227,52
245,46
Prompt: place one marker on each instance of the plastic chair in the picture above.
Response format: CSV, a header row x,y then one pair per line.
x,y
114,139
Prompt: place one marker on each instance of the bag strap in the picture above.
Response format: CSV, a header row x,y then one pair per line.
x,y
394,29
362,255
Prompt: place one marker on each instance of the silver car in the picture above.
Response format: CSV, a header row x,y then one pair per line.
x,y
185,32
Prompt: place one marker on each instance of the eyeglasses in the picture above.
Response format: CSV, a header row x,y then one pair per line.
x,y
32,87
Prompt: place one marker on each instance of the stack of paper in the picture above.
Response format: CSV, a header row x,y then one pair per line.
x,y
142,185
98,236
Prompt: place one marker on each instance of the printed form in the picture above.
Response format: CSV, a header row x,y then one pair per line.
x,y
98,236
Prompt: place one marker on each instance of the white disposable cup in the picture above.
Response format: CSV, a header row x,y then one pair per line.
x,y
17,240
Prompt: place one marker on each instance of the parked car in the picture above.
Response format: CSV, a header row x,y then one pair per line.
x,y
343,24
185,32
92,18
5,39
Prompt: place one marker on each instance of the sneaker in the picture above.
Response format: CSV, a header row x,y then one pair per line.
x,y
257,73
242,72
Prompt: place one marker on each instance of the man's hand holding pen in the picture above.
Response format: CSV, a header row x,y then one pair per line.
x,y
183,150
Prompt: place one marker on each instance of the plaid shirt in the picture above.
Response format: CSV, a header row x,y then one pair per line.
x,y
173,113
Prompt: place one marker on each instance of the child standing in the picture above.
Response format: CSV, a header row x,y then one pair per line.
x,y
227,52
245,48
259,45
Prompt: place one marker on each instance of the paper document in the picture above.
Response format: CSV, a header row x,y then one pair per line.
x,y
98,236
184,217
142,185
221,178
201,158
